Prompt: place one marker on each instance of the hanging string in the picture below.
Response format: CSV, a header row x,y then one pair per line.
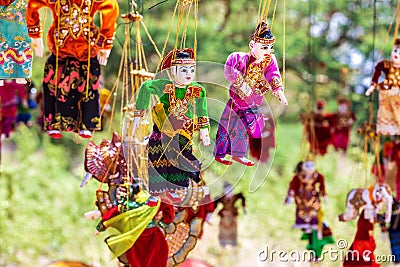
x,y
273,15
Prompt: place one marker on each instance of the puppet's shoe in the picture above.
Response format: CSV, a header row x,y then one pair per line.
x,y
223,161
244,161
85,134
56,134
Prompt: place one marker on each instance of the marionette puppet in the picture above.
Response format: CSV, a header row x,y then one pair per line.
x,y
228,215
251,76
318,126
343,120
72,71
15,44
182,109
363,245
306,189
388,117
371,201
10,92
139,237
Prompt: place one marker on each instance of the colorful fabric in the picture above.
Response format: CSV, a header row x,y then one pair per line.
x,y
171,162
260,147
388,120
73,26
307,191
9,94
240,117
130,225
188,102
15,44
71,106
364,242
315,244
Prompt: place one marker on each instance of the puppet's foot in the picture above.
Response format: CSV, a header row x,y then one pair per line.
x,y
244,161
223,161
85,134
56,134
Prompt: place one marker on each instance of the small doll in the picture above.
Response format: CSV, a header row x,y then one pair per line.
x,y
343,120
388,117
136,221
78,47
318,125
182,109
229,213
15,44
251,76
306,189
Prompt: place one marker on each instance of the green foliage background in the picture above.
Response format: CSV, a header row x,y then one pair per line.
x,y
42,207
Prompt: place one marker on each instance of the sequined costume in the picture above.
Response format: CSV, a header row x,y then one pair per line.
x,y
15,44
179,112
71,100
388,118
307,191
240,117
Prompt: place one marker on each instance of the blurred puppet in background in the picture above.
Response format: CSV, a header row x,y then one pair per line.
x,y
342,120
318,127
229,213
251,76
306,189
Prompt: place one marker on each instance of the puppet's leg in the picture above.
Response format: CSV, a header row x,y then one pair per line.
x,y
90,105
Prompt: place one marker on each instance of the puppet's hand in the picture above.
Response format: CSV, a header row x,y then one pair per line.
x,y
92,215
102,56
281,96
37,44
205,137
370,90
289,200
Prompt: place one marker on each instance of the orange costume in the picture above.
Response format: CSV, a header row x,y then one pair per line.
x,y
71,100
76,22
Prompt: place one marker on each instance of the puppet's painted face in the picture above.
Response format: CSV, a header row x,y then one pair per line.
x,y
184,74
343,108
396,55
309,167
260,51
